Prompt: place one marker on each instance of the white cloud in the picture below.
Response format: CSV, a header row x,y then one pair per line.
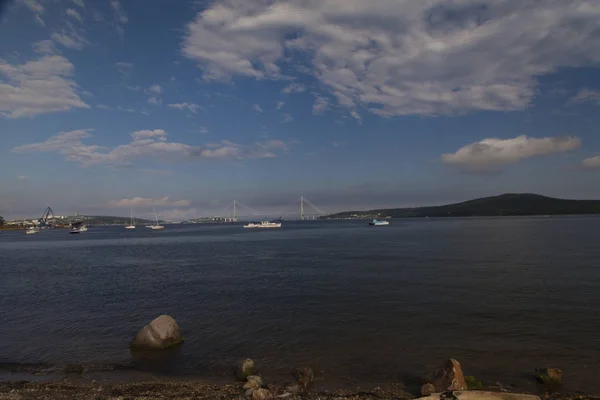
x,y
592,162
39,86
71,12
192,107
320,105
79,3
102,106
22,177
287,118
427,57
293,88
150,145
279,105
145,202
155,89
120,15
492,152
203,130
257,108
586,95
356,116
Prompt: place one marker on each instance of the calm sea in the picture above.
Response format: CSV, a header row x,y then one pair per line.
x,y
357,303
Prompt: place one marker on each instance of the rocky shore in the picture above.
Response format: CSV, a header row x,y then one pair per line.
x,y
247,382
183,390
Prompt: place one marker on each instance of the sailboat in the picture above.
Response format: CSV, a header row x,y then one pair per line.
x,y
132,221
156,226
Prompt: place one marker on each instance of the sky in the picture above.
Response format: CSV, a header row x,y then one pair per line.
x,y
184,106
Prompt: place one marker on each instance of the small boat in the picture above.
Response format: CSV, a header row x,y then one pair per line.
x,y
156,226
264,224
77,228
132,223
32,230
376,222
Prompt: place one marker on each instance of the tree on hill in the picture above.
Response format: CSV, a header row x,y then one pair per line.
x,y
1,221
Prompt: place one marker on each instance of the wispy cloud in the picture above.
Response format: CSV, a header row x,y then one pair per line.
x,y
102,106
489,153
156,88
124,69
155,101
287,118
192,107
279,105
120,15
320,105
294,88
37,8
586,95
71,12
22,177
69,37
400,58
80,3
257,108
146,202
148,144
40,86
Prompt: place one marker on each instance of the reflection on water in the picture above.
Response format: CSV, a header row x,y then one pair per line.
x,y
503,295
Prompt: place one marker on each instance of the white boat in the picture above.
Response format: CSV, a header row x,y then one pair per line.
x,y
378,222
132,224
32,230
156,226
264,224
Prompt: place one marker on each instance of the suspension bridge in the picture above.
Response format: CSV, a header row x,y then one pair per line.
x,y
302,209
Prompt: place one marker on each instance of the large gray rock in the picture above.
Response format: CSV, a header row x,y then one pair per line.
x,y
161,333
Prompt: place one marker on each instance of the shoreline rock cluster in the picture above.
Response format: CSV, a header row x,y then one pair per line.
x,y
448,381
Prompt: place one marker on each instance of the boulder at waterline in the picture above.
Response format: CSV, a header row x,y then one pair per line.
x,y
261,394
244,369
161,333
548,376
254,382
450,377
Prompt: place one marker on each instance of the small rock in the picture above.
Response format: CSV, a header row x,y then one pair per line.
x,y
250,392
427,389
254,382
73,369
548,376
304,376
159,334
261,394
244,369
450,377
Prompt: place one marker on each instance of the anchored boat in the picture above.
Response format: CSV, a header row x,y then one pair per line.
x,y
264,224
376,222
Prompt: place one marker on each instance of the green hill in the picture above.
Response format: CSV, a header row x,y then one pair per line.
x,y
506,204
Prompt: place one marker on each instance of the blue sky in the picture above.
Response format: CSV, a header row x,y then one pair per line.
x,y
187,105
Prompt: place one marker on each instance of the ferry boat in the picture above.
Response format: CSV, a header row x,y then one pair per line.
x,y
78,227
376,222
264,224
